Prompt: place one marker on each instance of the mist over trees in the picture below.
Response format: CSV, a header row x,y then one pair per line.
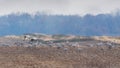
x,y
88,25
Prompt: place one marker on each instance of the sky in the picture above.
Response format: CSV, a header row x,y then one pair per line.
x,y
64,7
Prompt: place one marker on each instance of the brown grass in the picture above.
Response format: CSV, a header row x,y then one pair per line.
x,y
51,57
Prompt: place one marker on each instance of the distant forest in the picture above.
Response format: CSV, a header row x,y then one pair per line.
x,y
88,25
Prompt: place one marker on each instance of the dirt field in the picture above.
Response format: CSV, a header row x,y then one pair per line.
x,y
54,57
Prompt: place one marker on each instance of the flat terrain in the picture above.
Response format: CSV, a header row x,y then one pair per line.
x,y
73,53
46,57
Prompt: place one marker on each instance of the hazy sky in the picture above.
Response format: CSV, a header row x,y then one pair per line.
x,y
66,7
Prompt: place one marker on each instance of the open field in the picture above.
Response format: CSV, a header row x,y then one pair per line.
x,y
47,57
63,52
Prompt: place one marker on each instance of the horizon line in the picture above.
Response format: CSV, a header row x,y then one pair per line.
x,y
46,13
